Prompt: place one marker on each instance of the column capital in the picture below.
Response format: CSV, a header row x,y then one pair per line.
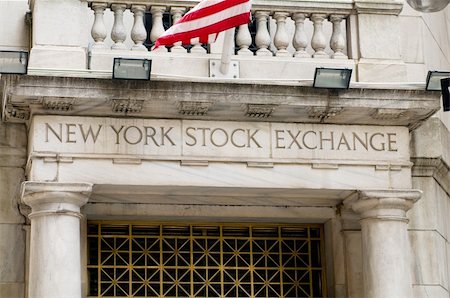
x,y
383,204
54,197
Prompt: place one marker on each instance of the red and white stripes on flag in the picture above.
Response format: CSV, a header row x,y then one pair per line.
x,y
203,23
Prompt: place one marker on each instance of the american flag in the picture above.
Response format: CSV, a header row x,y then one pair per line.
x,y
205,21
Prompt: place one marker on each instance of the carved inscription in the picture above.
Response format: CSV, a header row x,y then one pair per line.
x,y
218,139
320,140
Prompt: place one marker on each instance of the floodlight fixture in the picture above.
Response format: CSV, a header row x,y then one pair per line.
x,y
428,5
445,89
332,78
434,80
13,62
131,69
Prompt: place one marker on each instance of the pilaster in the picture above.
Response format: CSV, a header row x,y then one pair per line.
x,y
55,264
385,244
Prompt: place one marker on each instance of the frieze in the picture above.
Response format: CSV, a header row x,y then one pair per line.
x,y
212,140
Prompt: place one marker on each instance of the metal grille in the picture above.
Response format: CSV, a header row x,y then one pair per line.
x,y
171,260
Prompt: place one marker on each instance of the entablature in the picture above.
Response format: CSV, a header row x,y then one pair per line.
x,y
209,99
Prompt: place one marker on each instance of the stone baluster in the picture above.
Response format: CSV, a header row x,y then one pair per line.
x,y
98,31
337,42
281,39
118,33
300,41
157,25
177,13
318,41
262,38
138,33
385,245
197,49
244,40
55,259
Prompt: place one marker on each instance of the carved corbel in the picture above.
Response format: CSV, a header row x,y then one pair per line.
x,y
387,114
259,110
127,105
17,114
323,112
193,108
58,104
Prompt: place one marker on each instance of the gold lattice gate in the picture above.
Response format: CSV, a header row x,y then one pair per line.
x,y
220,260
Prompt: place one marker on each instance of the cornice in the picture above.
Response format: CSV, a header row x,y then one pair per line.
x,y
32,95
378,7
436,168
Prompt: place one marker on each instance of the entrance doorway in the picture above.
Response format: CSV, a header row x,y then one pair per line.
x,y
205,260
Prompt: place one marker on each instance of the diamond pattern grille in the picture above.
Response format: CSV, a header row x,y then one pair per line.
x,y
169,260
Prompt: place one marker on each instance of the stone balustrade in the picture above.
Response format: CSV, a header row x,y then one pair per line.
x,y
300,29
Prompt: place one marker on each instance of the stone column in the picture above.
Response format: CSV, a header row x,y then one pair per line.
x,y
385,245
55,268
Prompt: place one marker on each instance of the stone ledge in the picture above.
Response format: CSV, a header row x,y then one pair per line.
x,y
161,99
436,168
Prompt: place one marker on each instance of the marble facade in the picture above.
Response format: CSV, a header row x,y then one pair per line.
x,y
370,163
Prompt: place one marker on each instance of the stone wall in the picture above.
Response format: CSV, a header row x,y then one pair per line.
x,y
429,223
12,235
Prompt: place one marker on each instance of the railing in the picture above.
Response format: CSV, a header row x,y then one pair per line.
x,y
300,29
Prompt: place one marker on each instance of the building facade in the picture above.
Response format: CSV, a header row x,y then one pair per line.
x,y
197,185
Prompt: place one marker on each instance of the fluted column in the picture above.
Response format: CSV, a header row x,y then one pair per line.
x,y
318,41
385,245
300,41
118,33
177,13
157,25
138,33
55,266
98,30
337,42
281,39
262,38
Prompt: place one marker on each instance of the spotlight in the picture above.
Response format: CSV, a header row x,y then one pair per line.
x,y
332,78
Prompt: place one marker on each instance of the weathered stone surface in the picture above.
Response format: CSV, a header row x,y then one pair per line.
x,y
12,290
161,99
12,254
428,250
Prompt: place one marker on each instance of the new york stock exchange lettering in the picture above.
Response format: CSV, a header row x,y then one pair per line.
x,y
214,138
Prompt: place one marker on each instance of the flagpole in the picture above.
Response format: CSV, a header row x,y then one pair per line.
x,y
227,51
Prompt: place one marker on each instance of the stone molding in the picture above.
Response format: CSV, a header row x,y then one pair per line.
x,y
383,204
267,5
161,100
55,198
436,168
378,7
